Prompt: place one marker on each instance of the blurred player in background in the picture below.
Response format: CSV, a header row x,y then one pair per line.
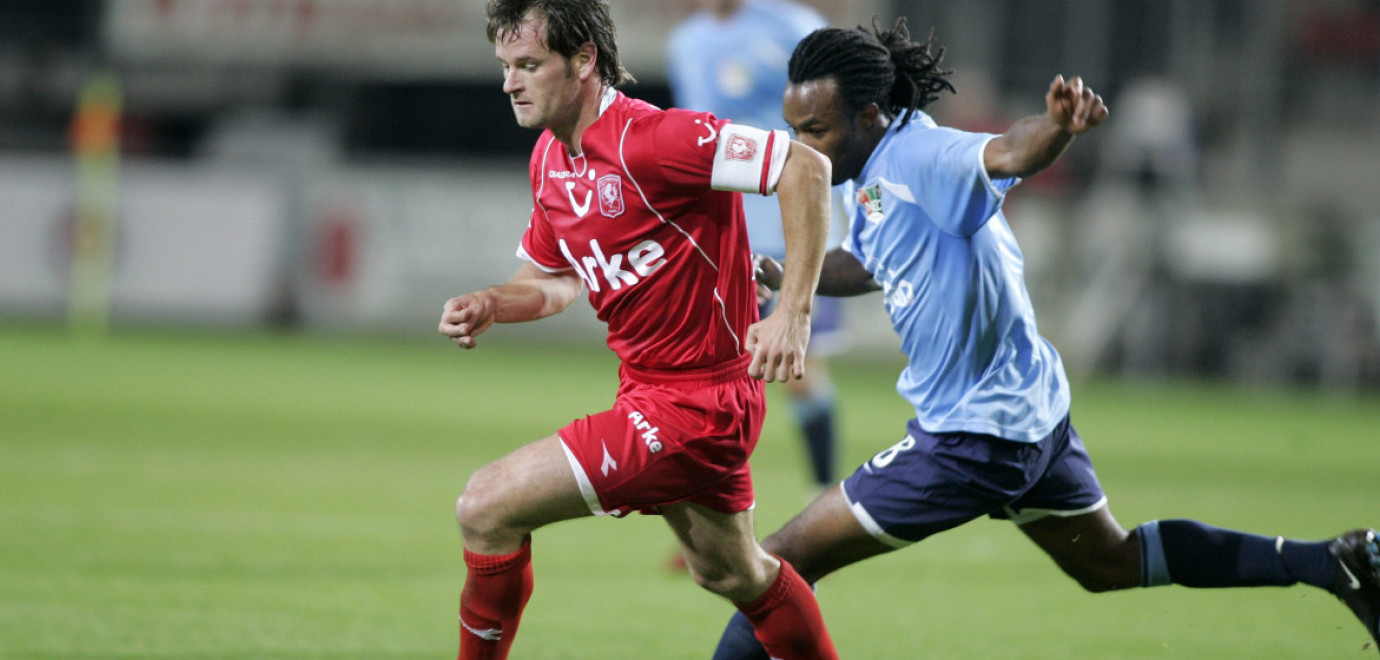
x,y
992,434
642,207
729,58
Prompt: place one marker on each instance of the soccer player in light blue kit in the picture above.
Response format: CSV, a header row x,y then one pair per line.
x,y
729,58
991,433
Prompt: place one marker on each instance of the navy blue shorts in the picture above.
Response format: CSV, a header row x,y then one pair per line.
x,y
927,483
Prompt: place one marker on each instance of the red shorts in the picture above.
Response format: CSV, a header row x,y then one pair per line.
x,y
672,436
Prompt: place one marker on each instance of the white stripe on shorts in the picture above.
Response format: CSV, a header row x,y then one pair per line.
x,y
586,487
1031,515
865,519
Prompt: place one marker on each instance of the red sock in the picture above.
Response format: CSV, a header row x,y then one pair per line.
x,y
496,589
787,619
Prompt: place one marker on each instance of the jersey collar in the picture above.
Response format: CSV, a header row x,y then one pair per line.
x,y
610,95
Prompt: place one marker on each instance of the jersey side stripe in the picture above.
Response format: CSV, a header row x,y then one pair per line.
x,y
723,314
723,308
624,162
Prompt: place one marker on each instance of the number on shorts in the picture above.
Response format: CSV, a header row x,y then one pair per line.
x,y
886,456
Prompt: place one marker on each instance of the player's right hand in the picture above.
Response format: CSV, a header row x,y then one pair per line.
x,y
777,344
1074,106
465,317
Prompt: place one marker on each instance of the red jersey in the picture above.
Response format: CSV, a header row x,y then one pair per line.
x,y
664,255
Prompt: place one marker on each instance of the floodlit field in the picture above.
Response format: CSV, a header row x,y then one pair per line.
x,y
184,495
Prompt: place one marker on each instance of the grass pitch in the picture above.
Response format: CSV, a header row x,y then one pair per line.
x,y
181,495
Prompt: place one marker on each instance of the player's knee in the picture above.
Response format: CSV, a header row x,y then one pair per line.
x,y
1095,584
476,510
1110,573
735,585
714,579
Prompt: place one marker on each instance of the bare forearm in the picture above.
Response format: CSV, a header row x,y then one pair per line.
x,y
525,301
804,197
532,294
843,276
1034,143
1029,146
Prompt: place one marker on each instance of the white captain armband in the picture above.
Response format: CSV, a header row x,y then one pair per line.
x,y
749,160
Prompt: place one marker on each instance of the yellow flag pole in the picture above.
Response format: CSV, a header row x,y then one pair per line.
x,y
95,139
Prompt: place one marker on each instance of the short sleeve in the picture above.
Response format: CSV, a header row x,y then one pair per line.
x,y
951,183
696,149
538,244
678,144
848,191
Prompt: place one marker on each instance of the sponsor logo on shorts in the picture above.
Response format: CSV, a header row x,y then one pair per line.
x,y
609,463
648,431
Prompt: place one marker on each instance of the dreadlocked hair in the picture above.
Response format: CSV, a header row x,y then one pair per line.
x,y
874,66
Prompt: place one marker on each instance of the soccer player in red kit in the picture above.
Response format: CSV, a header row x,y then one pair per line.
x,y
643,208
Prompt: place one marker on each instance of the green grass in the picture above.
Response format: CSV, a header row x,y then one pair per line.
x,y
181,495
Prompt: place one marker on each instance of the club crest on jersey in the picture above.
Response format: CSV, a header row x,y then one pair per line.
x,y
870,199
611,195
740,148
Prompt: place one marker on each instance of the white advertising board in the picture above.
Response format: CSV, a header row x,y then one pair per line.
x,y
191,244
386,247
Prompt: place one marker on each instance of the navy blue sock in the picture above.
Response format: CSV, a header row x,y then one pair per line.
x,y
1193,554
816,419
739,642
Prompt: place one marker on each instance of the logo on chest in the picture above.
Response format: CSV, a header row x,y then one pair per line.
x,y
870,199
609,189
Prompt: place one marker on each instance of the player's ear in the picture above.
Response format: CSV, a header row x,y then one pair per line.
x,y
868,116
584,60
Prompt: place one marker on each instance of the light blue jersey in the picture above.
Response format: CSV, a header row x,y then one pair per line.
x,y
736,69
927,223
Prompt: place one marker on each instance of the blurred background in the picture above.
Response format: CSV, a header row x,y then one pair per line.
x,y
347,165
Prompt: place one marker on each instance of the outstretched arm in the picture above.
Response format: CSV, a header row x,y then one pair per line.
x,y
842,275
777,343
529,294
1035,142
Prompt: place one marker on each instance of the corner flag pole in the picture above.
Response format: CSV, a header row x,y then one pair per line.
x,y
95,139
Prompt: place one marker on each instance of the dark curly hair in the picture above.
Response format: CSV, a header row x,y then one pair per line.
x,y
873,66
570,24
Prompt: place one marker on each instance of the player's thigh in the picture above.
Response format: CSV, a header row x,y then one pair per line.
x,y
825,537
530,487
713,538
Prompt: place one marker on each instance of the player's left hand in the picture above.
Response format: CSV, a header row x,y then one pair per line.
x,y
1073,106
777,344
